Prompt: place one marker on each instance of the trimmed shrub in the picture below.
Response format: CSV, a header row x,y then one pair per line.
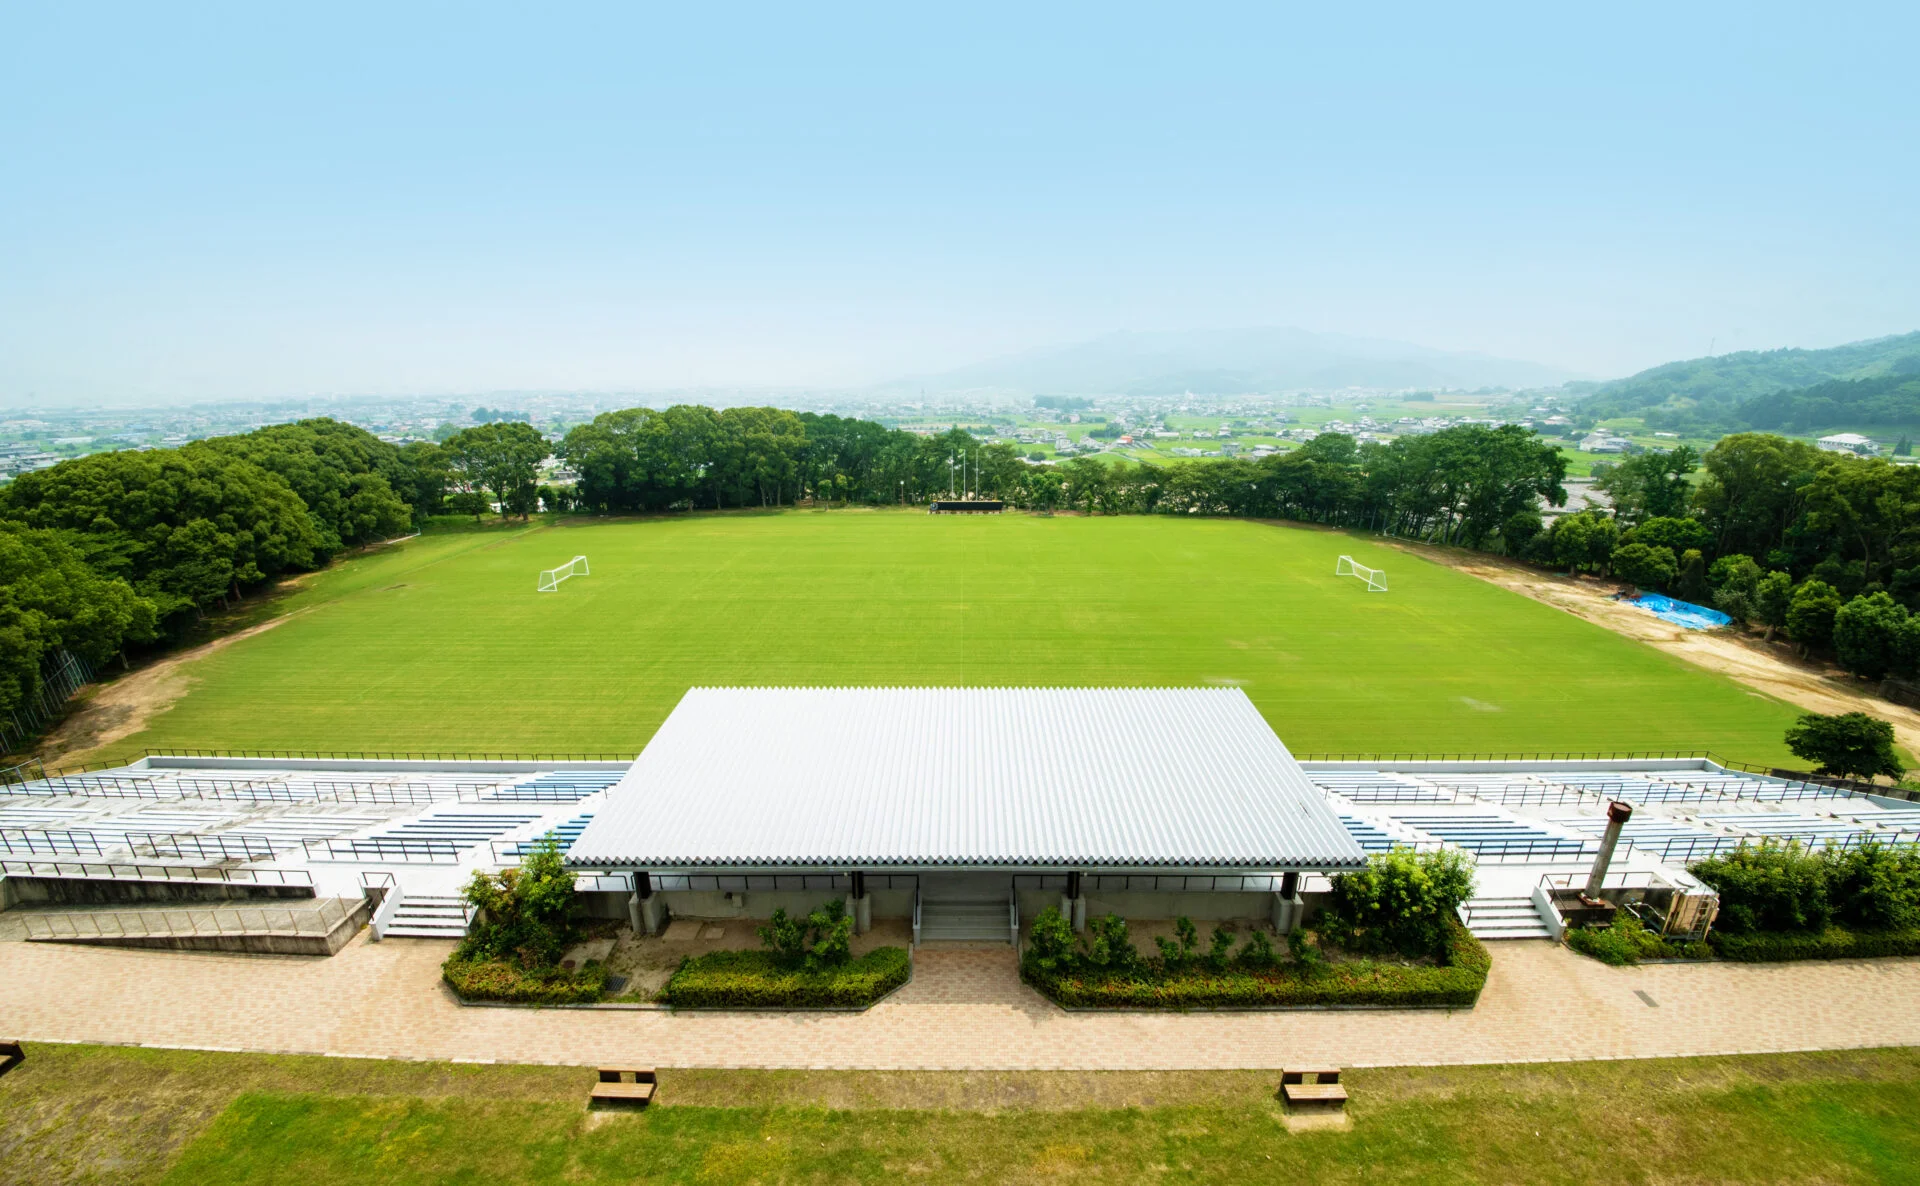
x,y
484,979
821,940
762,980
1455,983
1834,943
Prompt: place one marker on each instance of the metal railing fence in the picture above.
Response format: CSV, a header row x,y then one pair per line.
x,y
189,921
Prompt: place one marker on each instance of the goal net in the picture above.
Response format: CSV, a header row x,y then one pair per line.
x,y
1376,578
551,578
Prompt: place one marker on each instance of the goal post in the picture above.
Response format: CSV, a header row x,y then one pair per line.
x,y
550,579
1376,578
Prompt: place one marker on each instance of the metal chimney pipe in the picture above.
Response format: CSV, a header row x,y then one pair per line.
x,y
1618,814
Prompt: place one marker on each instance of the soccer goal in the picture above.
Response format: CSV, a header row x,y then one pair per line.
x,y
1376,578
551,578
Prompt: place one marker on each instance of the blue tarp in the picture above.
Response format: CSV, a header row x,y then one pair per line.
x,y
1682,613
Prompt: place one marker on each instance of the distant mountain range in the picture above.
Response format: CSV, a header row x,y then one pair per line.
x,y
1235,362
1859,383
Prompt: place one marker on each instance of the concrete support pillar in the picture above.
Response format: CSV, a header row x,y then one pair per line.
x,y
1073,903
646,910
860,903
1289,908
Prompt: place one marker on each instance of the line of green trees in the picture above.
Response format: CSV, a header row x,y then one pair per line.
x,y
116,550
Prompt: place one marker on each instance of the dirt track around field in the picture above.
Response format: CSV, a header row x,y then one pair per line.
x,y
1770,668
121,708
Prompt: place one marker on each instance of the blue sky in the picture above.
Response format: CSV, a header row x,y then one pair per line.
x,y
234,202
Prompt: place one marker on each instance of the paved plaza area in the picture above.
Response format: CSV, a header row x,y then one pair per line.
x,y
966,1009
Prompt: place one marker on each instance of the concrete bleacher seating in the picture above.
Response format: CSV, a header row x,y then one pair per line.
x,y
1793,825
1370,836
563,835
1661,837
1491,835
558,787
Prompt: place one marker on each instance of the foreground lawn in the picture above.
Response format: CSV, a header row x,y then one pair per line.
x,y
106,1114
443,644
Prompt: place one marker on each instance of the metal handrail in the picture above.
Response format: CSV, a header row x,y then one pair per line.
x,y
383,848
223,846
34,841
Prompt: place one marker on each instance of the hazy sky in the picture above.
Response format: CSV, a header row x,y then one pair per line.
x,y
200,202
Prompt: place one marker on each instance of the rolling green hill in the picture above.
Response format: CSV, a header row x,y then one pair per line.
x,y
1890,401
1711,390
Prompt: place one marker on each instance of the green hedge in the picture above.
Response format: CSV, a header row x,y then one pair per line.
x,y
1456,983
1834,943
759,980
1627,941
498,980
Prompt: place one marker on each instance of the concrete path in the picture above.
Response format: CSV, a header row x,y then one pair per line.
x,y
966,1009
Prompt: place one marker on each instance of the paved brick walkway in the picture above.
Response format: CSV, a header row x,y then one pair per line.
x,y
965,1009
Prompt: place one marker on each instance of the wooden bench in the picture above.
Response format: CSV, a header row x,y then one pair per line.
x,y
12,1054
1317,1087
614,1088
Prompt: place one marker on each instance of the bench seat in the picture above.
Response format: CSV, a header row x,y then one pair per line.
x,y
1314,1093
613,1085
1302,1074
12,1054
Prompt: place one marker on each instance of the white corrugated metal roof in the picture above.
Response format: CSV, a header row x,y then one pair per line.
x,y
849,778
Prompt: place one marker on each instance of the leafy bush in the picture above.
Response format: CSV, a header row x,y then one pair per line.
x,y
481,979
1771,887
1627,941
525,914
1180,950
1789,890
1456,982
1050,945
1644,565
1834,943
1876,886
1108,945
1402,901
823,939
763,980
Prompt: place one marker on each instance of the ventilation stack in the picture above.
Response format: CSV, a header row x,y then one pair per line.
x,y
1618,814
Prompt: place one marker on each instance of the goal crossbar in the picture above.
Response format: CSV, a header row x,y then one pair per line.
x,y
551,578
1376,578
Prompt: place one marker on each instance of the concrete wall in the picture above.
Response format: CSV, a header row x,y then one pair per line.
x,y
762,903
315,944
38,891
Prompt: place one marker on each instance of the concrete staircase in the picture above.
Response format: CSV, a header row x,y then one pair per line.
x,y
1505,918
429,916
973,917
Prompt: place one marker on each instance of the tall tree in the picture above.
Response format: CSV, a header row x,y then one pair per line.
x,y
503,457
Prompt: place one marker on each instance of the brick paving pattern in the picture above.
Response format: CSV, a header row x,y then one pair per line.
x,y
966,1009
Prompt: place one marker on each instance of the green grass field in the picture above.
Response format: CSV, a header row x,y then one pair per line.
x,y
105,1114
443,644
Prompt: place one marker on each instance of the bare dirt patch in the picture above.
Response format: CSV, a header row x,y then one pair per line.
x,y
116,710
1771,668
